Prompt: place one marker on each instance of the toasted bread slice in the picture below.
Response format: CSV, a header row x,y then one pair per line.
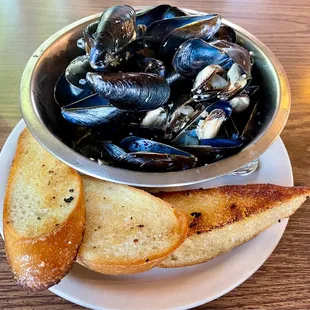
x,y
221,219
127,230
44,216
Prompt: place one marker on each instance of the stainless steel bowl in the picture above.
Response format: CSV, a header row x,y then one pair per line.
x,y
42,114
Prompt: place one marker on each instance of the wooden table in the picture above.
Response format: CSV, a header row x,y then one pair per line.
x,y
283,282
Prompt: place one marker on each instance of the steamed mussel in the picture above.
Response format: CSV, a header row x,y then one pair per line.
x,y
159,90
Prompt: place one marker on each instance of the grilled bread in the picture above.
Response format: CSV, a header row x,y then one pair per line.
x,y
127,229
43,217
223,218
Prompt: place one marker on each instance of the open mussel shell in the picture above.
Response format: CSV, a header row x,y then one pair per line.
x,y
231,129
76,72
203,29
66,93
131,91
173,12
182,116
213,81
147,161
207,150
89,35
138,144
188,113
150,15
85,143
226,33
158,31
210,126
116,29
221,104
195,54
252,126
209,82
236,53
241,102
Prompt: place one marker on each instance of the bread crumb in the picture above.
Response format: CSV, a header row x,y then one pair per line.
x,y
68,200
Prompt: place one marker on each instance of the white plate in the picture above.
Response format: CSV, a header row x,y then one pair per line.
x,y
180,288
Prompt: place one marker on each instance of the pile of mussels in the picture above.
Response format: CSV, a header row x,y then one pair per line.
x,y
158,90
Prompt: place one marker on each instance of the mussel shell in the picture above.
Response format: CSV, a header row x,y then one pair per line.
x,y
178,122
150,15
195,54
131,91
105,115
221,104
173,12
221,143
207,150
138,144
226,33
157,31
209,83
237,54
140,63
231,129
85,144
66,93
238,81
190,139
146,161
89,35
151,65
76,72
203,29
253,125
116,29
172,77
241,102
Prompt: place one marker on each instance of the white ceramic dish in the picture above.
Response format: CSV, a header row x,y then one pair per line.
x,y
180,288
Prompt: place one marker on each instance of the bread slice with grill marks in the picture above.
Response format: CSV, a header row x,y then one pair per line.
x,y
127,230
43,217
223,218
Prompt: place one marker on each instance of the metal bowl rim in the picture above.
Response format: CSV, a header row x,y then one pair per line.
x,y
145,179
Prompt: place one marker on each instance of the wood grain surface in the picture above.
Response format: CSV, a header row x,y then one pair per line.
x,y
283,282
